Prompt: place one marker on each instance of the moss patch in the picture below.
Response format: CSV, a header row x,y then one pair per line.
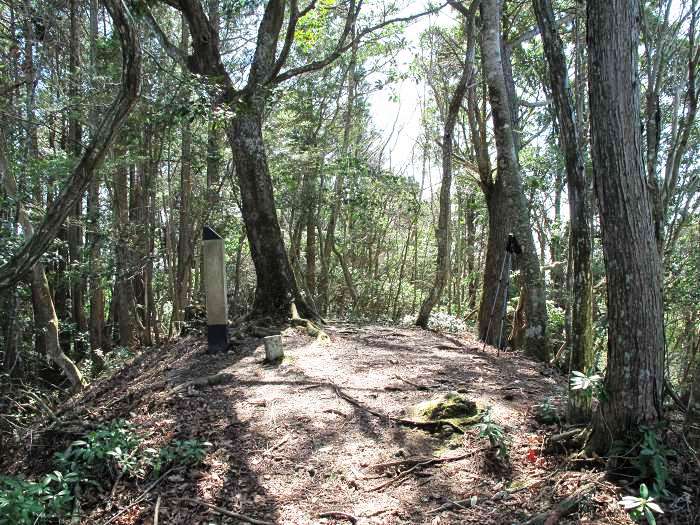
x,y
451,408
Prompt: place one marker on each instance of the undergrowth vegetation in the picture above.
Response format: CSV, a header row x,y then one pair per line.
x,y
111,451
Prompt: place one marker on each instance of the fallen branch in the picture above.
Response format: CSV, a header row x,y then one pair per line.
x,y
417,386
143,495
564,508
668,387
156,512
339,515
565,436
216,379
398,478
226,512
278,445
423,460
41,403
417,462
495,497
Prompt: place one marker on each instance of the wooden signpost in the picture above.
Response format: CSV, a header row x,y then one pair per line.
x,y
215,289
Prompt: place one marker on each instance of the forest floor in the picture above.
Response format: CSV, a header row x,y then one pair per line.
x,y
297,443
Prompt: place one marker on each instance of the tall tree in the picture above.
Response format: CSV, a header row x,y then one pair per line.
x,y
185,238
635,372
505,198
276,286
443,263
581,291
92,156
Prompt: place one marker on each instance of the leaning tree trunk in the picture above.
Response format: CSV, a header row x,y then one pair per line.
x,y
44,312
513,201
635,372
21,262
581,292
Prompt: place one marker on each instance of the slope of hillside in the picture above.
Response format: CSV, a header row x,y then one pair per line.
x,y
316,438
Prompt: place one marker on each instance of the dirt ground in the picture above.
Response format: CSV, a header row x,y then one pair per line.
x,y
288,449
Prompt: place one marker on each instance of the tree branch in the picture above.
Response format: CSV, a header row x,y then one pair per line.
x,y
294,16
170,49
341,46
91,159
532,33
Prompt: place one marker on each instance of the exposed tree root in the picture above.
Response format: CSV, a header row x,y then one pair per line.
x,y
338,515
311,328
417,463
564,508
423,425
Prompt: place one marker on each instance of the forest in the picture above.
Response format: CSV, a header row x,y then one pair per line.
x,y
470,228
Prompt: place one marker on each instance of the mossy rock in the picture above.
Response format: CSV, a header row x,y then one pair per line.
x,y
451,408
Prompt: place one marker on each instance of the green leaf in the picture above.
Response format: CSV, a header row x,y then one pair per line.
x,y
643,491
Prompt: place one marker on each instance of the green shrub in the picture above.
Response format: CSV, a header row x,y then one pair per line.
x,y
106,451
652,461
188,453
642,507
492,431
25,502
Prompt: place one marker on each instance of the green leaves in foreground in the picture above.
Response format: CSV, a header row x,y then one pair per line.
x,y
107,452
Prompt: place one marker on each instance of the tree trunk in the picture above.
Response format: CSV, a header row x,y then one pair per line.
x,y
44,312
470,217
75,228
635,372
98,342
122,281
93,155
183,276
339,186
581,292
443,263
276,287
508,198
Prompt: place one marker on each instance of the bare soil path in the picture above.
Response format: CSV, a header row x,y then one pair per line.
x,y
287,449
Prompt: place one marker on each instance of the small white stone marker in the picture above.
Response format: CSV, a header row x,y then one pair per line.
x,y
273,348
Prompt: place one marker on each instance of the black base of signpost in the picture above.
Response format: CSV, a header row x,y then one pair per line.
x,y
217,338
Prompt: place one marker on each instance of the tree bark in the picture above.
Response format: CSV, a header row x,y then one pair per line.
x,y
98,342
581,292
276,287
635,372
121,252
44,312
508,198
185,239
75,228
